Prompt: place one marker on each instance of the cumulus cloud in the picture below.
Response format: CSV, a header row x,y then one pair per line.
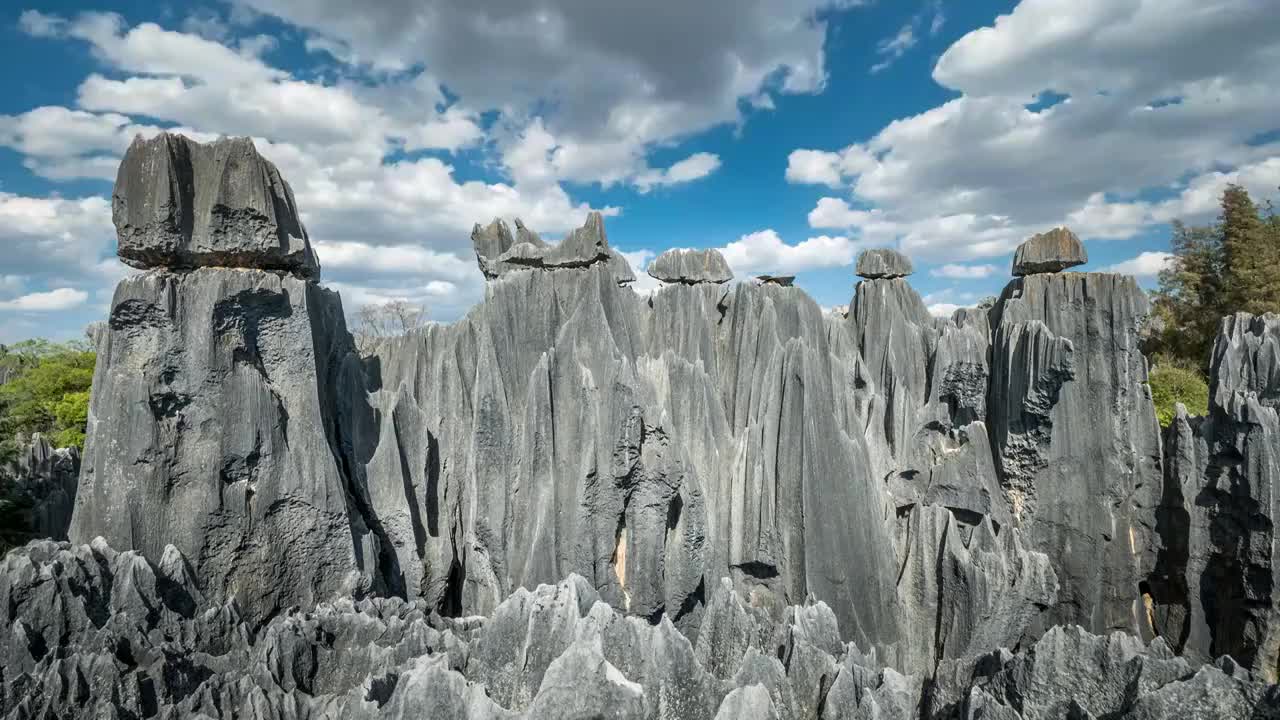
x,y
53,300
963,272
1148,103
694,167
618,79
1145,265
765,252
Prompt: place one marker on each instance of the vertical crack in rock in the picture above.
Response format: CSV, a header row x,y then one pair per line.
x,y
713,501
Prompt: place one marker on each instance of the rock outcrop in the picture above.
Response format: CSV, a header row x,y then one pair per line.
x,y
712,501
44,480
136,638
690,267
183,204
879,263
1049,252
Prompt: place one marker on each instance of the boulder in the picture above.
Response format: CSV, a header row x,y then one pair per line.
x,y
182,204
883,263
690,267
1049,252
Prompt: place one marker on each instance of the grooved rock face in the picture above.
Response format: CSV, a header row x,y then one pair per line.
x,y
183,204
1049,252
690,267
883,263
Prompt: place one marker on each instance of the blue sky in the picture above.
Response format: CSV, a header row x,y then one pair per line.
x,y
789,133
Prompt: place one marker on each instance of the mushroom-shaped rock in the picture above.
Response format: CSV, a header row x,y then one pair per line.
x,y
183,204
1049,252
783,280
690,267
883,263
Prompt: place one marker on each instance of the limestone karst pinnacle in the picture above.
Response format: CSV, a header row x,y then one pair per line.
x,y
712,501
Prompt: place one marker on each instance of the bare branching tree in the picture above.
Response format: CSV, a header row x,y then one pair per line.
x,y
382,320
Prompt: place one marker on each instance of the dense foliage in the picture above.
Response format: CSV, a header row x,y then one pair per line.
x,y
1218,269
1172,383
45,390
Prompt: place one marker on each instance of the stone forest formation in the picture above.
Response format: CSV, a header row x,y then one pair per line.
x,y
715,501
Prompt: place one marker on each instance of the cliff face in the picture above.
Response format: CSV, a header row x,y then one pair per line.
x,y
714,501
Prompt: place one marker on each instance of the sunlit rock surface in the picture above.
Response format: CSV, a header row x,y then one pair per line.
x,y
713,501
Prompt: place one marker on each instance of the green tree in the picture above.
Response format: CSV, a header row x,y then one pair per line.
x,y
1173,382
1218,269
1251,251
46,391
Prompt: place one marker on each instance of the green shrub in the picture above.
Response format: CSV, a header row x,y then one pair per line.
x,y
1172,383
47,392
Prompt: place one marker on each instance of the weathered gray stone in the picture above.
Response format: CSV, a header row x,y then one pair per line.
x,y
44,481
1049,252
783,280
183,204
580,501
1214,588
883,263
1076,440
240,365
690,267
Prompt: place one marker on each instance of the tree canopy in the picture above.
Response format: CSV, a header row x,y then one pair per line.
x,y
1217,269
45,390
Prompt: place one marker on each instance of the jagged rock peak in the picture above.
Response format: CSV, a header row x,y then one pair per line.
x,y
783,280
183,204
1049,252
883,263
690,267
499,252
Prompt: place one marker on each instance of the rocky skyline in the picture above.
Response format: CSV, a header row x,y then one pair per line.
x,y
790,139
716,500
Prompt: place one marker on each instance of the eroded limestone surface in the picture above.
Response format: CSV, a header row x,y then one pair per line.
x,y
712,501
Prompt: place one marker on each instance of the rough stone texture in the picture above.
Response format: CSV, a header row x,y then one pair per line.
x,y
1049,252
1076,441
183,204
498,251
46,479
711,501
690,267
1215,588
783,280
883,263
133,638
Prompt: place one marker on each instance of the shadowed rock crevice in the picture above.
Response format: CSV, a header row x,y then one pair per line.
x,y
713,501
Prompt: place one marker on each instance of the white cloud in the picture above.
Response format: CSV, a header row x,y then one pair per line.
x,y
694,167
38,24
964,272
813,167
1145,265
608,81
894,47
639,260
53,300
943,309
974,176
765,252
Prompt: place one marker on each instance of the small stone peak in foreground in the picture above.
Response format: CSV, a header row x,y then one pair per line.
x,y
878,263
690,267
1049,252
183,204
499,252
